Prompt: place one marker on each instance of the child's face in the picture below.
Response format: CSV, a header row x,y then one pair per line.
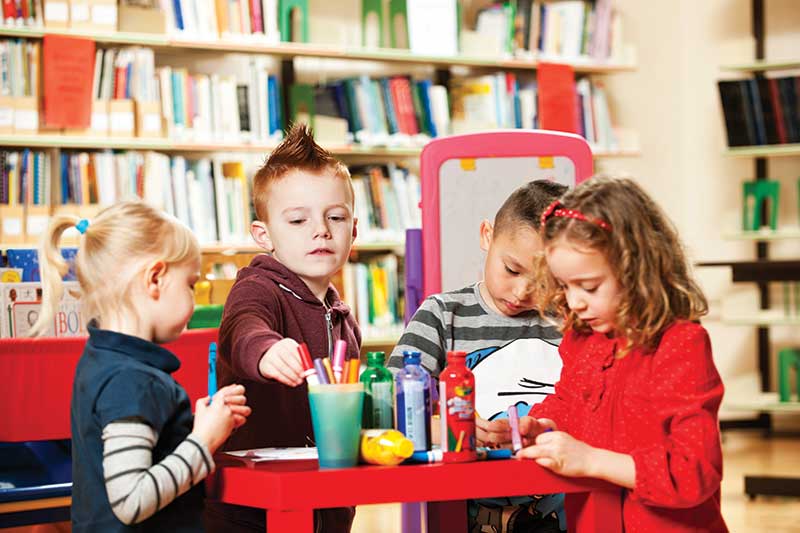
x,y
176,301
509,276
590,286
310,224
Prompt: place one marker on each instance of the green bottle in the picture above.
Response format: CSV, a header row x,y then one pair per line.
x,y
378,393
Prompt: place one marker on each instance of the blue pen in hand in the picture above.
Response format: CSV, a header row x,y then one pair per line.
x,y
212,370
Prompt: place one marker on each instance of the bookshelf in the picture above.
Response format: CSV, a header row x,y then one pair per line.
x,y
765,118
762,66
292,50
197,54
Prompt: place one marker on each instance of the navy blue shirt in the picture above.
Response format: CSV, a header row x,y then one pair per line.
x,y
121,376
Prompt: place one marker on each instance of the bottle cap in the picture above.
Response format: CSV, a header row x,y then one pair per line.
x,y
411,358
457,356
376,358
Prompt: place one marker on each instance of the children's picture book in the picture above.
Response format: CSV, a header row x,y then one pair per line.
x,y
20,305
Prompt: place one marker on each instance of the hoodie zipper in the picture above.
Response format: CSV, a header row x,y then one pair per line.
x,y
329,331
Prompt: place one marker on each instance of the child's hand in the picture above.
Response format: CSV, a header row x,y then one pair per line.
x,y
282,363
530,428
235,399
214,422
561,453
492,433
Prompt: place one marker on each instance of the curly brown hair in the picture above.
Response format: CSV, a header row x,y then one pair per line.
x,y
644,252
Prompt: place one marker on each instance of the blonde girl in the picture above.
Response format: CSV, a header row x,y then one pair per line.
x,y
137,452
638,396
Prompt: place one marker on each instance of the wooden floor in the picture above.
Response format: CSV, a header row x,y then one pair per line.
x,y
744,453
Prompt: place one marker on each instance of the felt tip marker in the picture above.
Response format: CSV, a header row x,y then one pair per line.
x,y
352,369
432,456
309,372
212,370
491,453
322,374
339,350
328,370
513,420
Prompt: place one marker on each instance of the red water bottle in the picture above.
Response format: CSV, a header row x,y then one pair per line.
x,y
457,409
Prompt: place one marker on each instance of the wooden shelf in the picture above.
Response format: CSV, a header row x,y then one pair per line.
x,y
230,249
765,402
761,66
379,342
772,150
764,270
765,318
75,142
763,235
289,50
167,145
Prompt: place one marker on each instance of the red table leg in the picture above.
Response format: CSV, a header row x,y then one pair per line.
x,y
596,511
447,516
294,521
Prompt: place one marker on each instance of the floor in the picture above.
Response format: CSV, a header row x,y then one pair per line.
x,y
744,453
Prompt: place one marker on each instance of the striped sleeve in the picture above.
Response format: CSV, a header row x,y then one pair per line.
x,y
137,488
424,333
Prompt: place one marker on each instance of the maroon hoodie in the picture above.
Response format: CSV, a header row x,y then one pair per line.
x,y
269,302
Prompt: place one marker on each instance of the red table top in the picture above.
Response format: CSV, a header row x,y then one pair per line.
x,y
298,485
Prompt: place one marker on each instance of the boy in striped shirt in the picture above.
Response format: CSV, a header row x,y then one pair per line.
x,y
511,349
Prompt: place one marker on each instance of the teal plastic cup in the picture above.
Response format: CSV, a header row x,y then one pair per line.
x,y
336,415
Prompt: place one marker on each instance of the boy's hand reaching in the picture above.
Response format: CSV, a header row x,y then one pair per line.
x,y
282,363
214,422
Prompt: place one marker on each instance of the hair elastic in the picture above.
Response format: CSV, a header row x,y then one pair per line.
x,y
555,209
82,225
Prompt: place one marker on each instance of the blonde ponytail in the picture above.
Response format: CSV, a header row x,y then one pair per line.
x,y
113,249
53,267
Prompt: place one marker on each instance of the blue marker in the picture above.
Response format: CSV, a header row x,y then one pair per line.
x,y
212,370
491,453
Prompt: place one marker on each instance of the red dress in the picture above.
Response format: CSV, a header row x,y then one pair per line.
x,y
661,409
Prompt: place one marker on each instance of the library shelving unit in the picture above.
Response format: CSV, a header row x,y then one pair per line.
x,y
762,271
286,52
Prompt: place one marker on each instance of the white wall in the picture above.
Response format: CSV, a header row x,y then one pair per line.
x,y
672,101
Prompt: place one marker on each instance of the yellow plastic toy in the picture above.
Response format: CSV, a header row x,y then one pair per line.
x,y
386,447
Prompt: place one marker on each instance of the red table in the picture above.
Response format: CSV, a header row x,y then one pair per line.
x,y
290,490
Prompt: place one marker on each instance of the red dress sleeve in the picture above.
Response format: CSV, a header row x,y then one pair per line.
x,y
557,406
684,467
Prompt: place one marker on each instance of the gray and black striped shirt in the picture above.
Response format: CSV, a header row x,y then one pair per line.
x,y
515,359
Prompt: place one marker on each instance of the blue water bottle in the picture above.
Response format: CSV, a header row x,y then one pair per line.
x,y
414,401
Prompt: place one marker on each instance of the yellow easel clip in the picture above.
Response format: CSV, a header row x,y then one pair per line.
x,y
547,162
467,164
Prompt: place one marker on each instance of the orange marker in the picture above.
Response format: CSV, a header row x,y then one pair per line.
x,y
352,370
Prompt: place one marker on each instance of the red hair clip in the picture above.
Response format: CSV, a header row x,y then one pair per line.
x,y
555,209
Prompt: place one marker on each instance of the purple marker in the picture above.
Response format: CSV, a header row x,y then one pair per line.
x,y
513,419
322,374
339,350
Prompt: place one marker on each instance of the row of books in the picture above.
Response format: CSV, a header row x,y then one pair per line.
x,y
761,111
19,67
374,291
252,19
203,107
21,13
210,195
568,29
125,73
386,202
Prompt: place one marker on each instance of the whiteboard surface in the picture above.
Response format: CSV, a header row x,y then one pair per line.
x,y
472,190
